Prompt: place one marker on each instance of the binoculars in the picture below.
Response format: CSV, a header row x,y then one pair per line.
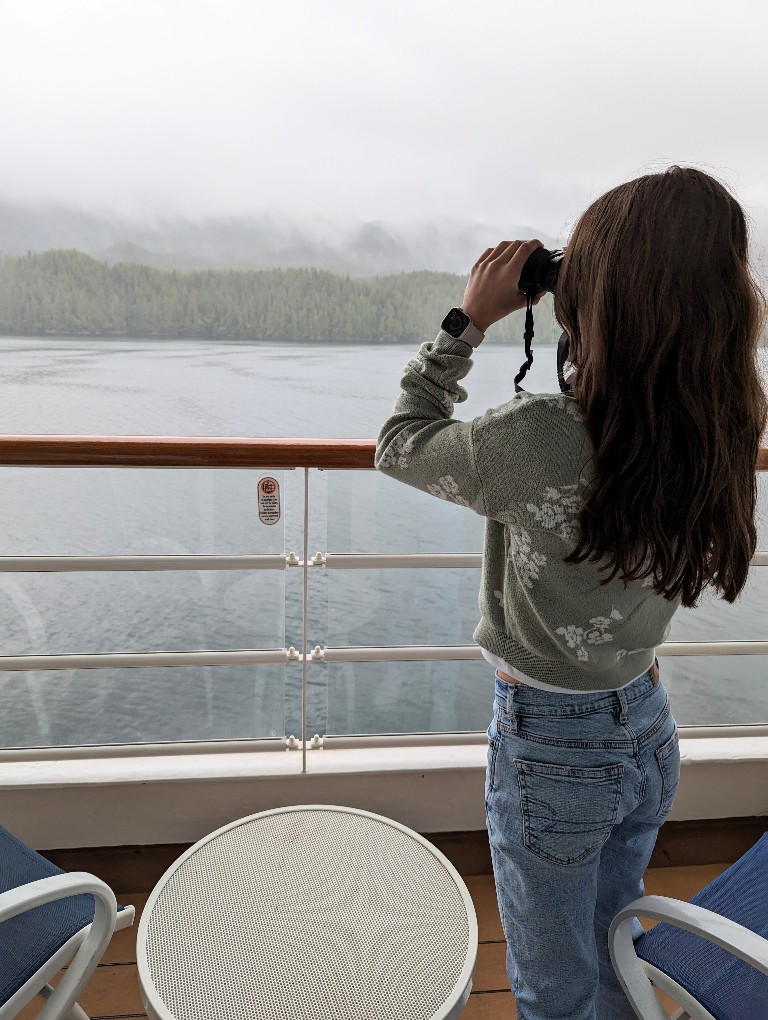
x,y
539,274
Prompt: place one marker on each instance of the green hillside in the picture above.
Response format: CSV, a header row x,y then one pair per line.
x,y
67,293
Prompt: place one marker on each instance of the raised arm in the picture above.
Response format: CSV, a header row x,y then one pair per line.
x,y
420,443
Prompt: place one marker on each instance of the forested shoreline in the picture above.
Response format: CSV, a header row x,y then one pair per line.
x,y
67,293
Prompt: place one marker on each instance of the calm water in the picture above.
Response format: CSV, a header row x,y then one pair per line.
x,y
239,389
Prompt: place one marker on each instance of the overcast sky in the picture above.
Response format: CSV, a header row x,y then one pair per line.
x,y
493,110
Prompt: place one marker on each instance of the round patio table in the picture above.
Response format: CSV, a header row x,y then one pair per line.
x,y
315,911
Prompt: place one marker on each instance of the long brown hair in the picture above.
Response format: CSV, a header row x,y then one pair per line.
x,y
664,319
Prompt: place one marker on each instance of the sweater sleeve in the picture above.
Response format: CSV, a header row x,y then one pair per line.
x,y
420,443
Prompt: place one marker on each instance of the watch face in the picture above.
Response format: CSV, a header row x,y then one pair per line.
x,y
455,322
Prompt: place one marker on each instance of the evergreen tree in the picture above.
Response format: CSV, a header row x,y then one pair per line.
x,y
68,293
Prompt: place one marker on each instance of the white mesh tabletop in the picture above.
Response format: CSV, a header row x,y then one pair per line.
x,y
310,911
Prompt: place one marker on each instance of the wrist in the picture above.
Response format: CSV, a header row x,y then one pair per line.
x,y
479,321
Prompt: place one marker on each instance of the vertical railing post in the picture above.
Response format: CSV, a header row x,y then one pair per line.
x,y
304,626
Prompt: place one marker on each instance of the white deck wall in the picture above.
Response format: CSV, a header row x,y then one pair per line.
x,y
180,798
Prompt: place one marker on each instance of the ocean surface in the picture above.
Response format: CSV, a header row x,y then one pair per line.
x,y
167,387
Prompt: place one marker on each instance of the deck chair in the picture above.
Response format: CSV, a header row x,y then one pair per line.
x,y
48,919
709,955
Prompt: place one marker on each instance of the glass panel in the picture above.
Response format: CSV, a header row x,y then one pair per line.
x,y
371,513
55,614
716,620
143,512
405,697
762,503
402,607
433,697
134,511
61,708
718,690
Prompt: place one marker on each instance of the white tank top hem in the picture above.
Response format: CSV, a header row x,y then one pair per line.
x,y
505,667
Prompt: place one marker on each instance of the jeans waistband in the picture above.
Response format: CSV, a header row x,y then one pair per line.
x,y
535,698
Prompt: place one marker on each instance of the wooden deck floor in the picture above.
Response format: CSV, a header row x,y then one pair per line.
x,y
113,992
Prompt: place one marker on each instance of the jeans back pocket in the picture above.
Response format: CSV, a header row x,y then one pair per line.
x,y
568,813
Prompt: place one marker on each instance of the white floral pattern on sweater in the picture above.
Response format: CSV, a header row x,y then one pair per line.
x,y
502,409
570,406
397,453
447,488
559,511
576,637
526,559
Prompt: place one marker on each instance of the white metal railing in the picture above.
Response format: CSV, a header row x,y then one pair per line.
x,y
248,453
332,561
245,656
418,653
388,561
86,564
143,660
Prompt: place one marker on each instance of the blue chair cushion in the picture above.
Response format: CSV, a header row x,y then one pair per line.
x,y
729,988
29,940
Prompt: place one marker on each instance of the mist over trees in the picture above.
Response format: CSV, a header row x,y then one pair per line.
x,y
72,272
69,293
254,241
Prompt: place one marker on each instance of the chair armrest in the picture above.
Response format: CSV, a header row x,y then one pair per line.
x,y
727,934
125,918
47,890
629,969
91,949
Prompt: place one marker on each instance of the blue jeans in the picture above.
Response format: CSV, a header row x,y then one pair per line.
x,y
577,787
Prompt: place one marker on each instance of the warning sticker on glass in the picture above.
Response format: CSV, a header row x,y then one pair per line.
x,y
269,500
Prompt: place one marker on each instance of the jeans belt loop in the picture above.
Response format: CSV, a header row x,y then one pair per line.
x,y
511,711
655,672
622,699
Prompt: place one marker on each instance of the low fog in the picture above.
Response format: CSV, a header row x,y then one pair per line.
x,y
360,135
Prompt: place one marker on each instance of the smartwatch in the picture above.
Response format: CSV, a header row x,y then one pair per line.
x,y
459,325
456,322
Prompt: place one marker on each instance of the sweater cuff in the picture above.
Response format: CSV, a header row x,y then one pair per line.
x,y
447,344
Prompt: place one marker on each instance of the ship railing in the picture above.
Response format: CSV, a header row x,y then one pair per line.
x,y
300,455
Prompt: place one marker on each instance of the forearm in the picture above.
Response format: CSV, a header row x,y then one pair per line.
x,y
429,388
420,443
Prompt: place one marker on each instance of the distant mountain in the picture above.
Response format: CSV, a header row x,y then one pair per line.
x,y
254,242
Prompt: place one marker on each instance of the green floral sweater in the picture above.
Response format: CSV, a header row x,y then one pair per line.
x,y
524,467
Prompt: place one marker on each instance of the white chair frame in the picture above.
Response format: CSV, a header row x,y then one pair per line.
x,y
638,977
84,949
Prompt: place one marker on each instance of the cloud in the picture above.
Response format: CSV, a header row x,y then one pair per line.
x,y
379,109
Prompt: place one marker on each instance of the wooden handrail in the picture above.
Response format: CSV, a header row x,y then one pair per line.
x,y
184,451
197,451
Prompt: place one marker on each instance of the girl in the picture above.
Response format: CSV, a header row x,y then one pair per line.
x,y
604,512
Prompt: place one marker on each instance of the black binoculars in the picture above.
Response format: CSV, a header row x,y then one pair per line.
x,y
539,274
